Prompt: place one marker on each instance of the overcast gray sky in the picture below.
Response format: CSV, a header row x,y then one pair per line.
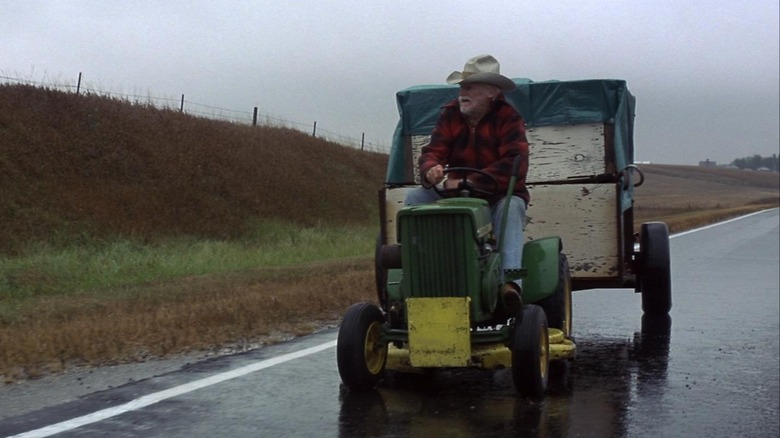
x,y
705,73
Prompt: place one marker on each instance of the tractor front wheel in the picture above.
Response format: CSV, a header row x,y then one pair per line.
x,y
360,353
531,352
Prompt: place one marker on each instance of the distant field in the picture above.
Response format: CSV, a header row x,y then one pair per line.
x,y
130,233
690,196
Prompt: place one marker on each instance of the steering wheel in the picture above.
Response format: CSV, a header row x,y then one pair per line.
x,y
465,187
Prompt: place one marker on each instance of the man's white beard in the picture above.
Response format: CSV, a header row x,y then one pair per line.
x,y
471,108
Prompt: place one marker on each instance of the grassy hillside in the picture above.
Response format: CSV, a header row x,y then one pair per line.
x,y
86,166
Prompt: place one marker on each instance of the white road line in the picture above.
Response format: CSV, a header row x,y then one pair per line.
x,y
682,233
156,397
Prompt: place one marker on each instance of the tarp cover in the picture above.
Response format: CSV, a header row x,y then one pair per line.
x,y
540,103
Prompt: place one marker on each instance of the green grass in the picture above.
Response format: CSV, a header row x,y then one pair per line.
x,y
106,265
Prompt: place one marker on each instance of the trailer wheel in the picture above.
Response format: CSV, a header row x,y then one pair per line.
x,y
557,307
531,352
655,279
360,353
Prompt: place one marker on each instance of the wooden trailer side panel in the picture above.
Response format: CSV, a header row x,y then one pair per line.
x,y
562,151
584,217
393,201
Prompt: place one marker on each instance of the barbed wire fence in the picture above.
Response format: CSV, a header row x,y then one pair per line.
x,y
212,112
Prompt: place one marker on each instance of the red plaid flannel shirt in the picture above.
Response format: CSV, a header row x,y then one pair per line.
x,y
490,146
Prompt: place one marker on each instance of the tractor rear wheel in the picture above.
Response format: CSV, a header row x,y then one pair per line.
x,y
360,353
557,306
531,352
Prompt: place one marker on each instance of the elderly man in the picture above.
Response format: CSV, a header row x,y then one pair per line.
x,y
481,130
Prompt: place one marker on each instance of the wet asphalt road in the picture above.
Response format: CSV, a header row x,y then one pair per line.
x,y
710,370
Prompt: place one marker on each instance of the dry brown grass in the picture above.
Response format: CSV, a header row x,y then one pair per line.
x,y
83,167
202,313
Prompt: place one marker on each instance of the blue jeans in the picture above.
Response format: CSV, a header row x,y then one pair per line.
x,y
512,251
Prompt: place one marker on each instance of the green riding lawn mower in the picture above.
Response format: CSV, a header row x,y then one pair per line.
x,y
438,266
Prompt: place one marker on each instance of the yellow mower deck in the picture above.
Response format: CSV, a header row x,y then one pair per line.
x,y
440,337
493,356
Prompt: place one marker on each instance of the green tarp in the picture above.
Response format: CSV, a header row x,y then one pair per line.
x,y
540,103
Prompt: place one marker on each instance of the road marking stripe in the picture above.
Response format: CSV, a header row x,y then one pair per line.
x,y
156,397
682,233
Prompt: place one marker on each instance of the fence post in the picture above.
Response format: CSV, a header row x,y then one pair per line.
x,y
362,141
78,85
314,131
254,118
181,108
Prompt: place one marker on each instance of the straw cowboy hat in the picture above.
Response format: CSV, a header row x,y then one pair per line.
x,y
483,69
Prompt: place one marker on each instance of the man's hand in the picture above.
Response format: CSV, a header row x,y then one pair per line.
x,y
452,183
435,174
